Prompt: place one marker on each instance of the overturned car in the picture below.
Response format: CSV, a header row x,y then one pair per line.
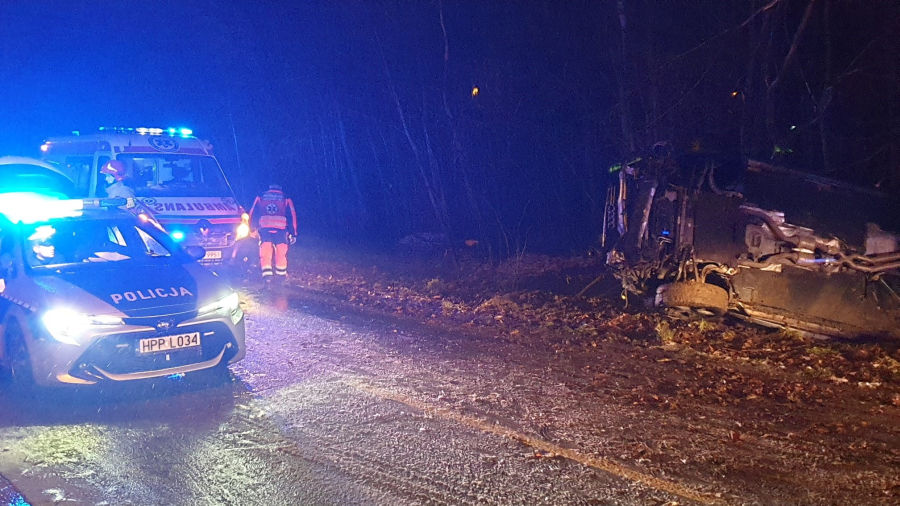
x,y
763,243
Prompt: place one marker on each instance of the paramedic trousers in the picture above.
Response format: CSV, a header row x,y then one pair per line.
x,y
273,240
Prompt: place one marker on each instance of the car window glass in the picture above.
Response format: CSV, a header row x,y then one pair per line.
x,y
69,242
6,243
152,245
79,170
171,175
115,236
100,189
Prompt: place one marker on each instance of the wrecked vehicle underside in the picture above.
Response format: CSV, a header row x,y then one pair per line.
x,y
767,244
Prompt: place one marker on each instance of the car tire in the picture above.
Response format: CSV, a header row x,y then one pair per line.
x,y
18,363
692,297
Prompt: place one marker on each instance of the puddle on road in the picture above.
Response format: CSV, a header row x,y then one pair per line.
x,y
61,439
144,402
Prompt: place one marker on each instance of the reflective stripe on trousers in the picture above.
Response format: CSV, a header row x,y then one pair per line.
x,y
265,258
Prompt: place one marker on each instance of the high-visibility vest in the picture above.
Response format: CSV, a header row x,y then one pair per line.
x,y
273,208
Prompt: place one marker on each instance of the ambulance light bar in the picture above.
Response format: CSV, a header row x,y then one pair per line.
x,y
180,131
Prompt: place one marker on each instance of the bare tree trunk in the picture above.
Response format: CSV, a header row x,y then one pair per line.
x,y
749,96
786,64
351,168
420,163
624,82
827,91
458,162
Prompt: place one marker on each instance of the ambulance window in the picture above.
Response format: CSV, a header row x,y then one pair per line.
x,y
79,167
212,173
100,190
176,175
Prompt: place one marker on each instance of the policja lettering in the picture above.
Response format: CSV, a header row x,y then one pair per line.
x,y
150,293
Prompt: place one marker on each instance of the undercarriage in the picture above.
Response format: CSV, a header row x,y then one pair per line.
x,y
700,250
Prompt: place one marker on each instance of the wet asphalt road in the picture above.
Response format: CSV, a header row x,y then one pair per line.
x,y
325,409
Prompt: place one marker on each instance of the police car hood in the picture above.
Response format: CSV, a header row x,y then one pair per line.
x,y
133,289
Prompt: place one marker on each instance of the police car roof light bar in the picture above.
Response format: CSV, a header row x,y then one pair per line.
x,y
30,207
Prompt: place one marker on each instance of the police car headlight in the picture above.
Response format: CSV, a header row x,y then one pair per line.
x,y
229,305
243,230
69,326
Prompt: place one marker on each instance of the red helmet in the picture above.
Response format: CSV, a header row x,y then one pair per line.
x,y
114,168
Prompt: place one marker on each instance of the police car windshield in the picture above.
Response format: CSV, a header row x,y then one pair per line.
x,y
174,175
64,243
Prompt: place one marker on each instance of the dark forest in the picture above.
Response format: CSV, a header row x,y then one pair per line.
x,y
493,121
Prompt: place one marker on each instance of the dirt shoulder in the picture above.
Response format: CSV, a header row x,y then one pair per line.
x,y
769,415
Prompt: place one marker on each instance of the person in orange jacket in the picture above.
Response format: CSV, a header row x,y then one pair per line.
x,y
275,219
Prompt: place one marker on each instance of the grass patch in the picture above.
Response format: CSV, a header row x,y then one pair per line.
x,y
821,351
665,333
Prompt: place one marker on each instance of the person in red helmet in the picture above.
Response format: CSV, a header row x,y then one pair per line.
x,y
114,171
275,220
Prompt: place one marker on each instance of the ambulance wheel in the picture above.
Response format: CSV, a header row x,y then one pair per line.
x,y
18,364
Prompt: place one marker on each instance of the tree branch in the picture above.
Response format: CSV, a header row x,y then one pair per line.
x,y
792,52
746,22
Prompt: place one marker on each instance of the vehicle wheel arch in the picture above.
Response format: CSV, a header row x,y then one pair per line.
x,y
17,357
717,275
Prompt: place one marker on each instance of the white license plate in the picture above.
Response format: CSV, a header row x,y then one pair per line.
x,y
168,343
213,254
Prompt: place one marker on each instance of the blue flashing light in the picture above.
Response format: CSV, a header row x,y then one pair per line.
x,y
178,235
29,207
666,233
183,132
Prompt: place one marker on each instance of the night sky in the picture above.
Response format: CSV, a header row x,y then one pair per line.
x,y
352,106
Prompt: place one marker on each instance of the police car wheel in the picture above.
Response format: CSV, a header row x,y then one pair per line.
x,y
18,365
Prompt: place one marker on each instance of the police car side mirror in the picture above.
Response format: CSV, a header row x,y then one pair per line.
x,y
195,252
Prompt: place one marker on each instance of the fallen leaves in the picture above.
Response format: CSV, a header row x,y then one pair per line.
x,y
530,300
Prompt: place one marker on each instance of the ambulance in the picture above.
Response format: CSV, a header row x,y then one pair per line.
x,y
173,174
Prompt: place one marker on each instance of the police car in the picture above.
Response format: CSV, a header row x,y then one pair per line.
x,y
93,292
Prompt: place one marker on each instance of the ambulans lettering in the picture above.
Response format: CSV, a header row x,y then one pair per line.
x,y
150,293
194,206
161,207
